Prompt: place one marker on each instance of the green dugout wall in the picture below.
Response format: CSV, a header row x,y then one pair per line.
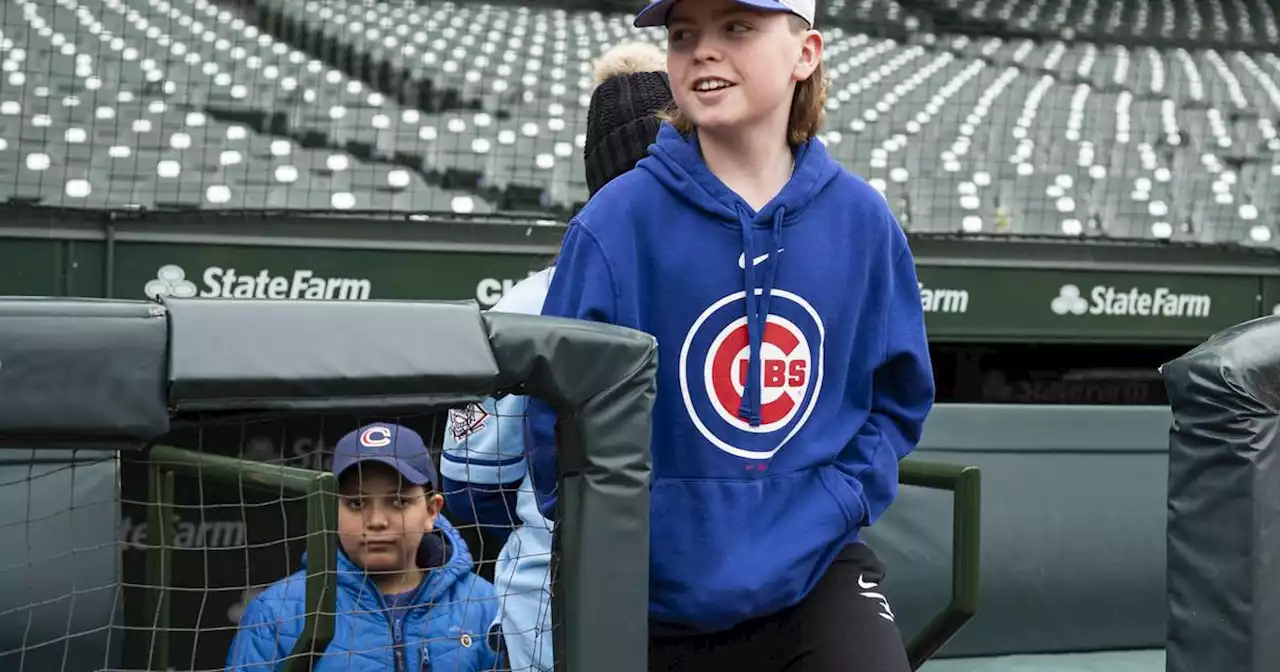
x,y
1271,296
986,291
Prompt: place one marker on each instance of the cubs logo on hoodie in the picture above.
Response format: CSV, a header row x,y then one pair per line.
x,y
715,363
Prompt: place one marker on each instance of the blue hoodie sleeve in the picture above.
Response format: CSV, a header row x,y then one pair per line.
x,y
902,392
254,647
483,464
584,287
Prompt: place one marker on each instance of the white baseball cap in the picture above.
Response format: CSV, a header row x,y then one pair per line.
x,y
655,14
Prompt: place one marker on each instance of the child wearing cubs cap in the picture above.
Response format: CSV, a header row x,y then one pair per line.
x,y
408,599
795,372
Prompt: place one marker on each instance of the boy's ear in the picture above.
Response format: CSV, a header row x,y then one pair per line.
x,y
435,502
810,55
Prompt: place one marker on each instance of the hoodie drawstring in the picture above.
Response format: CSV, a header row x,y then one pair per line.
x,y
757,309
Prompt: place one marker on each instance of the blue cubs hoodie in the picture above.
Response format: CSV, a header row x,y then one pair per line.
x,y
793,370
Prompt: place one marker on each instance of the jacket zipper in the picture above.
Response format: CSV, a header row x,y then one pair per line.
x,y
397,645
394,627
426,659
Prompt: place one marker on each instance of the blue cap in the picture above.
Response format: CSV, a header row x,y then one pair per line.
x,y
655,14
397,447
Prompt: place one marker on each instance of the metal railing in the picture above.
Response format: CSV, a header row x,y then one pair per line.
x,y
965,484
320,490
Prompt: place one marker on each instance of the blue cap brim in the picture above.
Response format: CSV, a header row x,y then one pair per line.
x,y
409,473
656,13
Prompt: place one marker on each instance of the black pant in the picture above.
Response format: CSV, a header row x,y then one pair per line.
x,y
843,625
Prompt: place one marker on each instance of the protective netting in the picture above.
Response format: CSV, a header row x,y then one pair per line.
x,y
236,536
80,597
59,568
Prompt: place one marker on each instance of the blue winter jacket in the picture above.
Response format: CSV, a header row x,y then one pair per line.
x,y
446,632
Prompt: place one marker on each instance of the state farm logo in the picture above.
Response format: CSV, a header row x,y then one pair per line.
x,y
227,283
714,360
170,280
1106,300
1069,302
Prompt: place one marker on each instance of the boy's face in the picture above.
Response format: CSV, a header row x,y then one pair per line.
x,y
733,68
382,518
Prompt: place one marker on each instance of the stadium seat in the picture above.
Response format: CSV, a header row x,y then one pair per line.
x,y
473,108
1225,23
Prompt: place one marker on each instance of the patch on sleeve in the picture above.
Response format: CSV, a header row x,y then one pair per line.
x,y
466,421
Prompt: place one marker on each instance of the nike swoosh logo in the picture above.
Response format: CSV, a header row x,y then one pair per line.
x,y
865,585
742,259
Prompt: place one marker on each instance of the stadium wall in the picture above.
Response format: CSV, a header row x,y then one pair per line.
x,y
972,291
1062,571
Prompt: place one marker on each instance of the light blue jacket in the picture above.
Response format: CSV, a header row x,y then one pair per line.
x,y
446,633
484,474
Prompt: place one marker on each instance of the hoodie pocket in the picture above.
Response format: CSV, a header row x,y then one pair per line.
x,y
843,491
724,551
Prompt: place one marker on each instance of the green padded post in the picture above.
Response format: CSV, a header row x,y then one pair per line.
x,y
966,540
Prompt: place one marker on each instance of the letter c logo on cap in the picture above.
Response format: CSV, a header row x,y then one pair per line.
x,y
375,437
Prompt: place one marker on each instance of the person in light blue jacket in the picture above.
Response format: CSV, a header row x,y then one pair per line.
x,y
408,600
485,482
483,467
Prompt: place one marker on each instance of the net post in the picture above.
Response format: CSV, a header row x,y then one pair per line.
x,y
600,380
967,543
965,483
1223,525
160,536
322,573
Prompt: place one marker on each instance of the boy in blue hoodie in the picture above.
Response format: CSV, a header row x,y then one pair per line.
x,y
408,600
794,371
483,465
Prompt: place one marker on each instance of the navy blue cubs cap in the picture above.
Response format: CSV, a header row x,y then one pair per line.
x,y
655,14
397,447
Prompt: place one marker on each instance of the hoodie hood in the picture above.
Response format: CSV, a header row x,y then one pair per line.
x,y
443,554
676,162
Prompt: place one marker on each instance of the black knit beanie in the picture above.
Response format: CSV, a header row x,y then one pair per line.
x,y
621,124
